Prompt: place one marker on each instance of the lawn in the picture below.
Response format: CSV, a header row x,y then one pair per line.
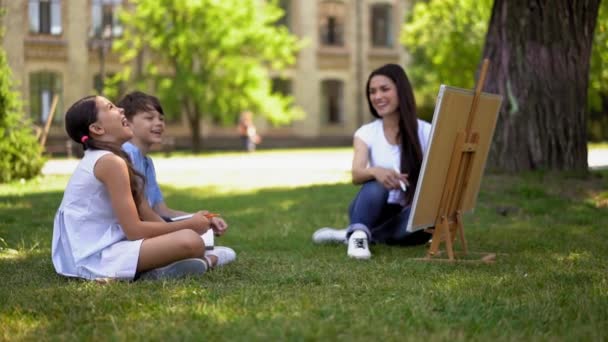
x,y
550,281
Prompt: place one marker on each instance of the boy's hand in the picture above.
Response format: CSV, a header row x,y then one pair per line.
x,y
218,225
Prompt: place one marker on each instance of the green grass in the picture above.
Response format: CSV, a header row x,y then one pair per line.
x,y
550,281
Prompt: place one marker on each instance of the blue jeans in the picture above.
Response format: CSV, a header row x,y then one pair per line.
x,y
382,222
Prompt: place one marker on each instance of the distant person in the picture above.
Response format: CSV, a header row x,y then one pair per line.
x,y
387,159
247,131
147,120
104,228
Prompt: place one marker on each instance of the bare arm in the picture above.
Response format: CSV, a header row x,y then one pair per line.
x,y
147,213
362,173
112,171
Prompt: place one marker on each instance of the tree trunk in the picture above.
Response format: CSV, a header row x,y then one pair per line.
x,y
195,124
196,135
539,53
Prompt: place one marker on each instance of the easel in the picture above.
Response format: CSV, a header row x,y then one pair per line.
x,y
448,223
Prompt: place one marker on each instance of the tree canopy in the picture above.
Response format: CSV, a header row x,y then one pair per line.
x,y
208,59
445,39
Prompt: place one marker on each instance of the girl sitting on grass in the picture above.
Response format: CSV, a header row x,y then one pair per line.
x,y
103,229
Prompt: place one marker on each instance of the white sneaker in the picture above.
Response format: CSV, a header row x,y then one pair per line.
x,y
329,235
357,246
224,255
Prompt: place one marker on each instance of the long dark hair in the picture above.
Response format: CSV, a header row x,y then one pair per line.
x,y
78,118
411,151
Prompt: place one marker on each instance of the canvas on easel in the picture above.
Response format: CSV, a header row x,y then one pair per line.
x,y
452,168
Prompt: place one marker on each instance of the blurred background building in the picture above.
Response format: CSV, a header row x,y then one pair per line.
x,y
63,47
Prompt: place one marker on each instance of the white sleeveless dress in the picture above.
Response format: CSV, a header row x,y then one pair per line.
x,y
88,242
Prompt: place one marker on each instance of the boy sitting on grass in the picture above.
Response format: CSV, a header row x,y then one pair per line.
x,y
146,118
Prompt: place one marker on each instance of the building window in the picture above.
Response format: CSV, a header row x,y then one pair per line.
x,y
281,86
285,20
43,86
332,94
105,18
381,25
45,16
331,23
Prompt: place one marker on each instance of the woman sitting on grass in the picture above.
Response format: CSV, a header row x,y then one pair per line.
x,y
103,229
387,160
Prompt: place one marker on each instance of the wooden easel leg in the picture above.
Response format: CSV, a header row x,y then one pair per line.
x,y
439,233
446,232
460,229
449,246
434,249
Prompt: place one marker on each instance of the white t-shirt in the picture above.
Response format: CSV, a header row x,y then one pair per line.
x,y
386,155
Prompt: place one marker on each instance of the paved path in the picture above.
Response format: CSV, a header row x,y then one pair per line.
x,y
264,169
244,170
598,159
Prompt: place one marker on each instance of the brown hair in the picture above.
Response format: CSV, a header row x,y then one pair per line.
x,y
137,101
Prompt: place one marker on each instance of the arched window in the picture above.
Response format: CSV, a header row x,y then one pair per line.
x,y
331,23
382,25
43,86
332,95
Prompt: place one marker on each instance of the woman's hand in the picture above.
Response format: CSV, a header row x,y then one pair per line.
x,y
219,226
389,178
198,222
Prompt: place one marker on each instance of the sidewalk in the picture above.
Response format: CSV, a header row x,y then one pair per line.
x,y
261,169
598,159
243,171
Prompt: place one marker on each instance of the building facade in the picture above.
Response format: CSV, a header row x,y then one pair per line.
x,y
62,47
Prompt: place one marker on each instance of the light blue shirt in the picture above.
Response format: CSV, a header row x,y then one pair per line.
x,y
144,165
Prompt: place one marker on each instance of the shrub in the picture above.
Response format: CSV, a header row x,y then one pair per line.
x,y
20,152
